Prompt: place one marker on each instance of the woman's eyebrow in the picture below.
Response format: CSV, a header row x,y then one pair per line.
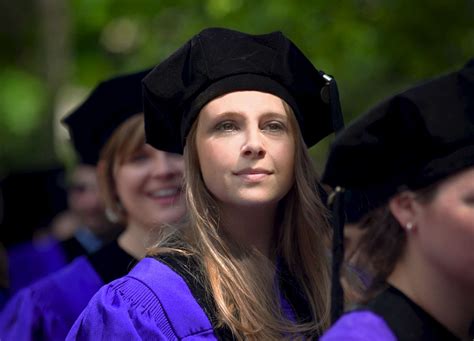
x,y
239,113
274,114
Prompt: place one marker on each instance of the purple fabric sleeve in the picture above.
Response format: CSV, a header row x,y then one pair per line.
x,y
152,302
29,262
47,309
359,326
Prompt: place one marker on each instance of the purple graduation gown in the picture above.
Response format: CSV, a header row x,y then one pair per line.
x,y
390,316
28,262
359,326
152,302
47,309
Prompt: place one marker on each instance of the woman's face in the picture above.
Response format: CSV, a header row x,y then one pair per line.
x,y
445,227
245,144
149,187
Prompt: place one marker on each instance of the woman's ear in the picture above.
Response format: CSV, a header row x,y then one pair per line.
x,y
403,207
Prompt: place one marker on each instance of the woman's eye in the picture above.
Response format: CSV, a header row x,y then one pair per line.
x,y
274,127
226,126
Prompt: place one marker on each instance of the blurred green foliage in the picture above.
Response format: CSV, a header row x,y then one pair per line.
x,y
373,48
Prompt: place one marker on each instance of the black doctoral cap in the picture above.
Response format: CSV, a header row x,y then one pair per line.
x,y
410,140
108,106
218,61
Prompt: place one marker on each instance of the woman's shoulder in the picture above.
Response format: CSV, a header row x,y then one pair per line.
x,y
360,325
151,300
156,284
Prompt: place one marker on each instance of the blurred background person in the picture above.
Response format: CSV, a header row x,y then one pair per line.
x,y
413,156
142,190
85,207
30,199
30,261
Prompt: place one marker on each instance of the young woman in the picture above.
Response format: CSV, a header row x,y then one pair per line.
x,y
413,158
142,191
249,260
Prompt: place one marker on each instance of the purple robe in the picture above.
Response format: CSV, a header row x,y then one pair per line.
x,y
152,302
359,326
28,262
47,309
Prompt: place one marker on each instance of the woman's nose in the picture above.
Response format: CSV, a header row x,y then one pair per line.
x,y
253,146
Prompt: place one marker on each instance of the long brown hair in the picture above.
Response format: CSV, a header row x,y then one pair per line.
x,y
242,279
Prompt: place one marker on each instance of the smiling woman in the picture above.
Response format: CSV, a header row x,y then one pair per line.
x,y
250,259
141,185
142,191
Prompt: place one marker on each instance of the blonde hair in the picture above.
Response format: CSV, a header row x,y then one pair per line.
x,y
242,280
125,140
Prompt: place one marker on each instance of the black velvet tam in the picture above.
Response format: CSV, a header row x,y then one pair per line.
x,y
218,61
109,105
411,140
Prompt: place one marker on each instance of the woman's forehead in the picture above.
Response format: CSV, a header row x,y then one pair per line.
x,y
245,101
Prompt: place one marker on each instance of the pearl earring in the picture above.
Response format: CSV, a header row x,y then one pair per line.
x,y
409,226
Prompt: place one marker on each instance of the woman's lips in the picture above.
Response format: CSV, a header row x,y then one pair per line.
x,y
253,174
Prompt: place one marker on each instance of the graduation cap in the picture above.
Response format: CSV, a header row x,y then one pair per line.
x,y
410,140
218,61
109,105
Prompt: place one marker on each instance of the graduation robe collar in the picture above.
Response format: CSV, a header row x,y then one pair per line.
x,y
111,262
406,319
188,268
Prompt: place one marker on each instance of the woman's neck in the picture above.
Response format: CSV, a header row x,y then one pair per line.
x,y
250,226
444,298
134,240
